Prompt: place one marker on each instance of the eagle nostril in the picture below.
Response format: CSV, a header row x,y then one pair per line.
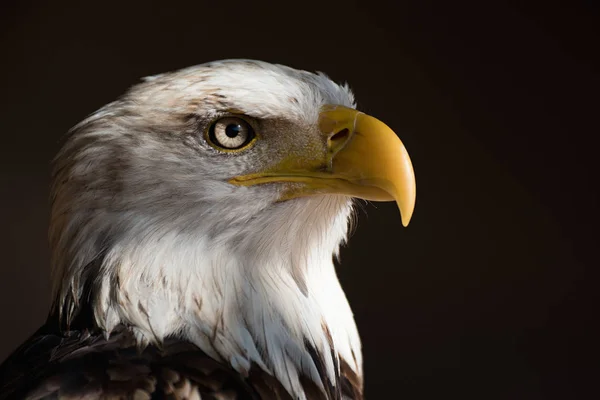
x,y
340,136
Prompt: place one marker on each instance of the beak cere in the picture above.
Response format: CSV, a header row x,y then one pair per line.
x,y
365,159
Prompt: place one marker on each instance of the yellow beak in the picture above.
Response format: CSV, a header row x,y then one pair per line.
x,y
364,159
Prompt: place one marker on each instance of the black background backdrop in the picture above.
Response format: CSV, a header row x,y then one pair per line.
x,y
489,292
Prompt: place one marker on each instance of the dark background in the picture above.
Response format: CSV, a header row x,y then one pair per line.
x,y
489,293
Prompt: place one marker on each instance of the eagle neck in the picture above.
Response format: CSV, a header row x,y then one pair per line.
x,y
263,295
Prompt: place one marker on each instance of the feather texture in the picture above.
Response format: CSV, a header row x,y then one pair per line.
x,y
83,365
153,249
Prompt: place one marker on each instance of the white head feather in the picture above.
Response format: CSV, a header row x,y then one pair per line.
x,y
145,223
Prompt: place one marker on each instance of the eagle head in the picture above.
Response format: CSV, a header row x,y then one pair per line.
x,y
207,204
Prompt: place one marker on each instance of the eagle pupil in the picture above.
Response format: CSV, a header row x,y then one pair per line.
x,y
233,130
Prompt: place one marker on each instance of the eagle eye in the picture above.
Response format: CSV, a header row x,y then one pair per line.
x,y
231,133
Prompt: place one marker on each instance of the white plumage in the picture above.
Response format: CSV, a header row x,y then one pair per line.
x,y
160,232
212,266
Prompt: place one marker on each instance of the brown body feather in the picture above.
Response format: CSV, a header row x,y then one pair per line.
x,y
82,365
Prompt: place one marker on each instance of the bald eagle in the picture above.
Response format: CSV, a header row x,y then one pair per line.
x,y
193,229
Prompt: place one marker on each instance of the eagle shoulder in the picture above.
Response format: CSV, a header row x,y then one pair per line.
x,y
84,364
79,364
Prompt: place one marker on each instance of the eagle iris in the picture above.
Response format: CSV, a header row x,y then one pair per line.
x,y
230,133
